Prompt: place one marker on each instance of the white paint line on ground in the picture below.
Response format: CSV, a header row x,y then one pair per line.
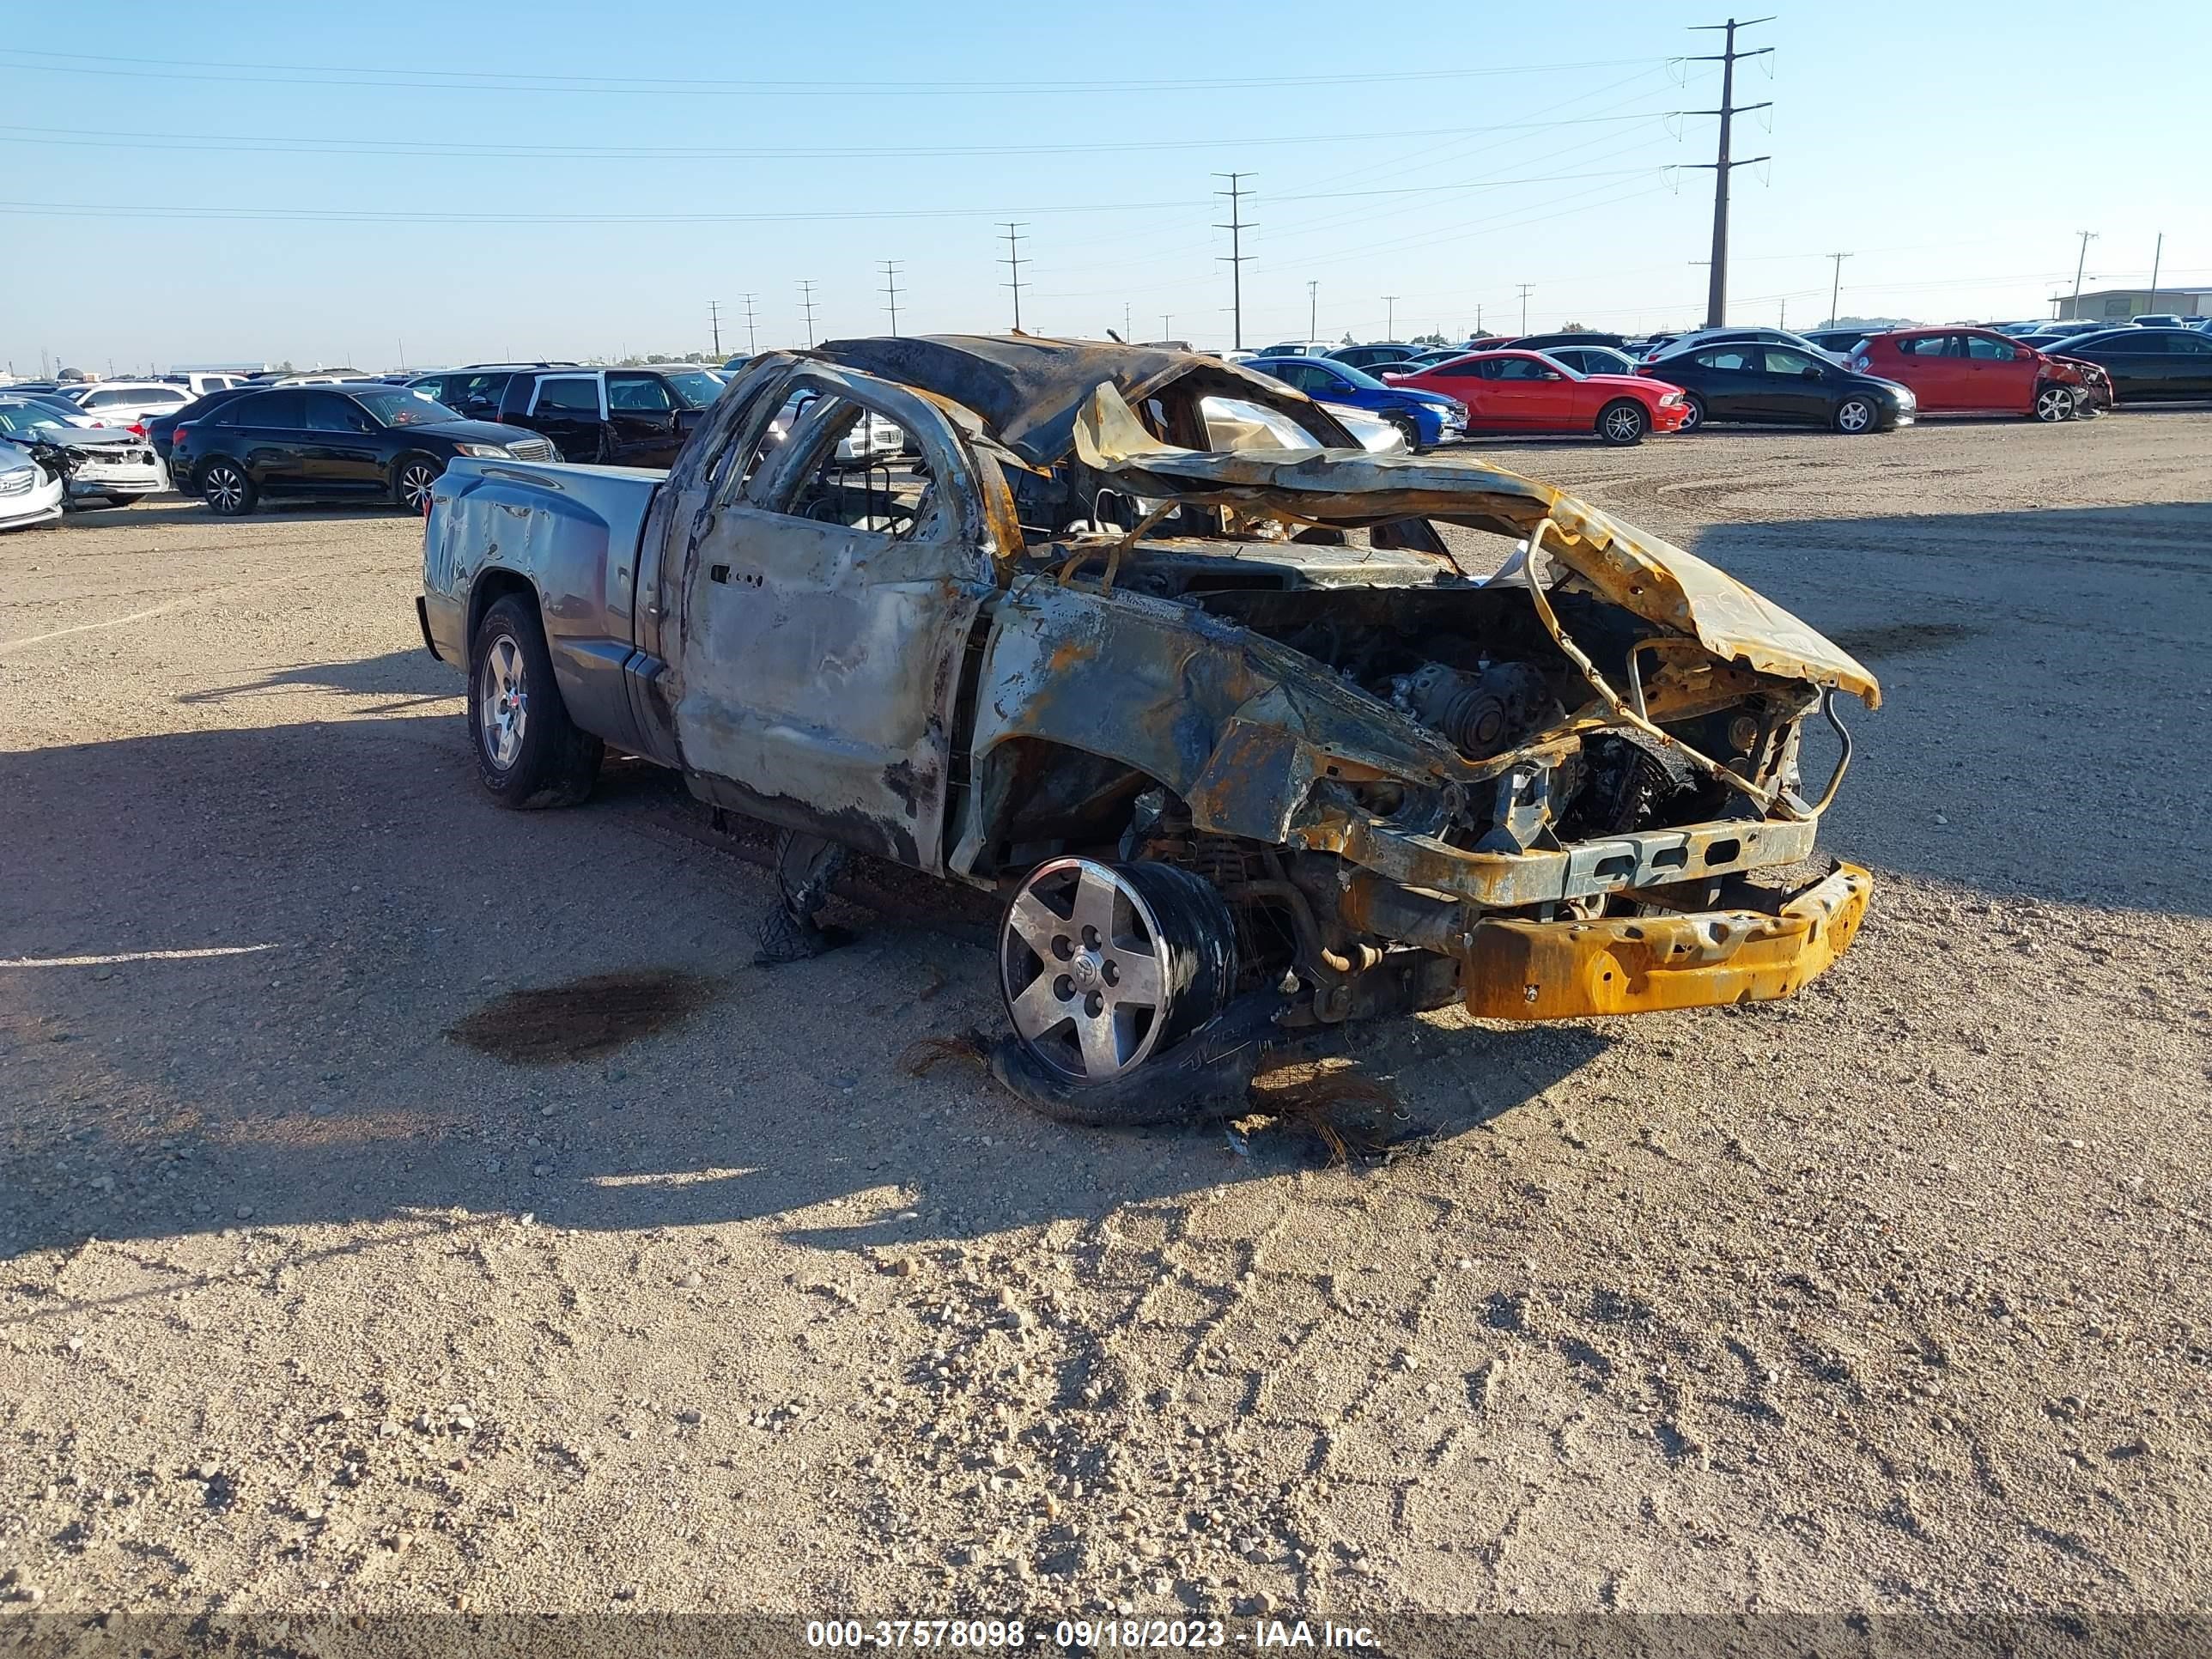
x,y
198,954
159,610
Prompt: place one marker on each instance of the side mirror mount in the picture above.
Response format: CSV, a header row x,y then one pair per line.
x,y
1814,372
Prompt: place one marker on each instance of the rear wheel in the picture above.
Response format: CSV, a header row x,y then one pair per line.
x,y
1856,415
228,493
1693,412
1107,966
1623,422
2054,402
529,753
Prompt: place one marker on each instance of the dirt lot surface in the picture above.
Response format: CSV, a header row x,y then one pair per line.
x,y
1891,1297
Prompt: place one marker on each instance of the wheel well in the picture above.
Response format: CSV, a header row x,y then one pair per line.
x,y
492,587
1037,793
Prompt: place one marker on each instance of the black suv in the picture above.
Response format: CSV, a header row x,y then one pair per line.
x,y
357,439
607,417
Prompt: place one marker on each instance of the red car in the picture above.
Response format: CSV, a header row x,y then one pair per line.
x,y
1528,392
1974,371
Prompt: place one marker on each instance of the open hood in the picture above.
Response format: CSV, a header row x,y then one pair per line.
x,y
1351,489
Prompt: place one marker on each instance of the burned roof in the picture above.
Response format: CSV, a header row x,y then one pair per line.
x,y
1028,390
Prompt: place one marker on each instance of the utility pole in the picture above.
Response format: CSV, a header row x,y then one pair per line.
x,y
2157,254
1526,288
807,303
891,287
1836,286
1127,329
715,322
1313,310
752,334
1390,316
1013,262
1236,256
1166,322
1724,164
2088,237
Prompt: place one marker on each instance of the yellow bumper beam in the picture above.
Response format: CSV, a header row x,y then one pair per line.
x,y
1637,965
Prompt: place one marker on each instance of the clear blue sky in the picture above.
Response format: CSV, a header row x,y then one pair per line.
x,y
241,187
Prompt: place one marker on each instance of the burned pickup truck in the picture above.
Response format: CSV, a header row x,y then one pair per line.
x,y
1149,647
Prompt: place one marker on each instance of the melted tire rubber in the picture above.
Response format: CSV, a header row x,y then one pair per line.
x,y
1205,1076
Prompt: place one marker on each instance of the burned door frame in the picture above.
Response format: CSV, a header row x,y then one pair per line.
x,y
817,666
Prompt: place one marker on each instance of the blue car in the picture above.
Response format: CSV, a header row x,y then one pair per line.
x,y
1426,418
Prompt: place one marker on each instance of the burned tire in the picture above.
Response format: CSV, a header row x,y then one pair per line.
x,y
1106,967
2054,404
1623,422
529,753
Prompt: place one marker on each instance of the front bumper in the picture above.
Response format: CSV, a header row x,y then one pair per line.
x,y
1526,970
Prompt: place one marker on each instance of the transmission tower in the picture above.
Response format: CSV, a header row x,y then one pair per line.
x,y
1724,164
1013,263
1235,257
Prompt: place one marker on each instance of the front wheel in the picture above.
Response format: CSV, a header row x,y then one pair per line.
x,y
2054,402
1410,431
228,493
412,483
1855,416
1622,423
529,753
1693,412
1107,966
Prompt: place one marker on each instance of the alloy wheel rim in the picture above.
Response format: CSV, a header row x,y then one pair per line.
x,y
2048,406
416,483
503,702
1622,423
1085,970
224,485
1856,416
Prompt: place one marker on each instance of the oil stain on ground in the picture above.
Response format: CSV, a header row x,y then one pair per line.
x,y
583,1019
1901,639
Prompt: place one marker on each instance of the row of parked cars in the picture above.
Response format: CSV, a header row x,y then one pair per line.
x,y
1852,380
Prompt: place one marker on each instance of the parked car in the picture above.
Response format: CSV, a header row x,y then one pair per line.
x,y
1572,337
1840,342
374,440
608,417
2147,365
1704,337
1756,381
1592,359
1300,348
1268,763
106,464
1519,391
200,382
1977,371
1425,417
1436,355
159,428
1372,357
2071,326
475,389
128,402
31,490
2160,319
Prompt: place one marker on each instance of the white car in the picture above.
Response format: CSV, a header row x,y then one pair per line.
x,y
127,403
103,463
29,494
200,382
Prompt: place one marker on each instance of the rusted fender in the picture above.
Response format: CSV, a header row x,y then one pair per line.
x,y
1638,572
1637,965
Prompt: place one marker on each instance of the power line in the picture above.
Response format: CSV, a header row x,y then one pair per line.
x,y
182,69
891,287
1236,256
1013,262
1722,165
807,303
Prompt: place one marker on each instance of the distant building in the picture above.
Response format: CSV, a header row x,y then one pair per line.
x,y
2118,303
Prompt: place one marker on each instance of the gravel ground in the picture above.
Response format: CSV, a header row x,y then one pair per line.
x,y
1892,1298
